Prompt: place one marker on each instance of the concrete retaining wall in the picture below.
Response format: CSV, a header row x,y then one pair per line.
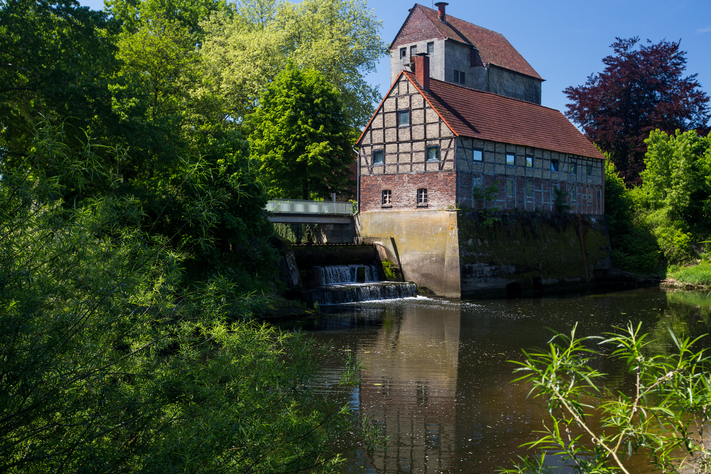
x,y
468,254
427,244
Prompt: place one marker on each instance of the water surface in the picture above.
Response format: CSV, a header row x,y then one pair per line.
x,y
437,378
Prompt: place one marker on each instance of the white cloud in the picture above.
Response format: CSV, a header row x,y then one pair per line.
x,y
704,30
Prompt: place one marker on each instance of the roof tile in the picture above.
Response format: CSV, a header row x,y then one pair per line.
x,y
486,116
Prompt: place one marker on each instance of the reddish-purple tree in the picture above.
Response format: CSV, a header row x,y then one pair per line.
x,y
641,89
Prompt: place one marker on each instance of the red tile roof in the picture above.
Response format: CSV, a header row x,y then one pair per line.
x,y
493,47
486,116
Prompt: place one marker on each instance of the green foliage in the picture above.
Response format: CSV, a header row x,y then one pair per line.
x,y
634,248
675,195
388,270
107,366
245,49
664,416
696,275
56,59
561,201
300,136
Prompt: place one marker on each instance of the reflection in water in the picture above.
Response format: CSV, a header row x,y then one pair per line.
x,y
436,374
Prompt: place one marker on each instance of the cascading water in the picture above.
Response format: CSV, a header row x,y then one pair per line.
x,y
337,284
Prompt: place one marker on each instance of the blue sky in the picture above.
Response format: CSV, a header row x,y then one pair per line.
x,y
565,40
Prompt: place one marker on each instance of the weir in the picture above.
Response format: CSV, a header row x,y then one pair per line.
x,y
338,274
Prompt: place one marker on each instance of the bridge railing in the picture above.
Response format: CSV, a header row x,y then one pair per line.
x,y
295,206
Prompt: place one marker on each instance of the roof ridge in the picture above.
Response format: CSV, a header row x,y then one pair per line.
x,y
465,21
432,79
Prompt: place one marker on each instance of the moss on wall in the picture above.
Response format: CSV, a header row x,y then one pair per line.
x,y
530,249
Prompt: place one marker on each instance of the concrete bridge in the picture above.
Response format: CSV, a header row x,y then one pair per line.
x,y
294,211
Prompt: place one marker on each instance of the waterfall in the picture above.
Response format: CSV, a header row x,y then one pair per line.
x,y
338,284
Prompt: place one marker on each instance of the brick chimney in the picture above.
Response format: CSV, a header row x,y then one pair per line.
x,y
422,70
442,14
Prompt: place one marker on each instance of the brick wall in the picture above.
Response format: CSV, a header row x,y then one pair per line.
x,y
441,191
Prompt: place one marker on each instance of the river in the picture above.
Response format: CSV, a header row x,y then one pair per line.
x,y
436,375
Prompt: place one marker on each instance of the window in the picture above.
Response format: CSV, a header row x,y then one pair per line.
x,y
403,53
387,195
573,168
432,153
529,162
529,189
573,195
554,166
403,118
476,183
589,170
422,197
413,51
478,155
509,188
459,77
510,159
378,157
430,48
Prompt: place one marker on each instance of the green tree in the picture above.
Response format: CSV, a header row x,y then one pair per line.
x,y
634,247
55,60
642,88
300,136
244,50
107,365
675,198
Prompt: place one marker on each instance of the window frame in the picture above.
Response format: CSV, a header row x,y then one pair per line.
x,y
386,198
555,166
413,51
380,153
513,159
529,162
481,155
422,200
530,190
430,47
403,53
400,115
573,168
427,157
573,195
510,188
588,171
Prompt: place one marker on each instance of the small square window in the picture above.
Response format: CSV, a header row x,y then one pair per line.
x,y
554,165
378,157
387,196
510,159
478,155
459,77
430,48
413,51
432,153
403,53
529,162
573,168
509,188
403,118
422,197
589,170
